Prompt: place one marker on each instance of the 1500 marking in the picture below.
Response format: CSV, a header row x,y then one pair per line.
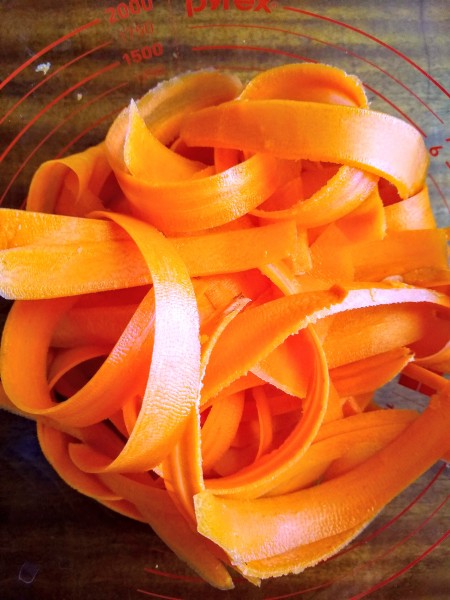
x,y
145,53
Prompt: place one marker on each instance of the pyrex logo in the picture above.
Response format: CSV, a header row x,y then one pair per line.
x,y
196,6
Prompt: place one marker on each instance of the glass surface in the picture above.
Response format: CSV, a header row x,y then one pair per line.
x,y
66,69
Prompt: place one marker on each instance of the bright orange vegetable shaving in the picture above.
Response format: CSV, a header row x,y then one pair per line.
x,y
206,303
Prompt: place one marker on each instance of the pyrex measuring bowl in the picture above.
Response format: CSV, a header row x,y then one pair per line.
x,y
66,70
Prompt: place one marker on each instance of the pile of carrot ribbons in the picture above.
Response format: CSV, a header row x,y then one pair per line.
x,y
206,303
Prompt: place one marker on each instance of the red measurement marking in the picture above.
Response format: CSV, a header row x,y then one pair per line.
x,y
173,575
46,49
152,71
388,524
374,39
85,131
298,57
257,48
339,48
404,569
440,192
48,77
52,132
397,108
155,595
237,67
50,105
158,71
364,565
365,540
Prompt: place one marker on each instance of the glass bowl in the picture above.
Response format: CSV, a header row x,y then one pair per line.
x,y
66,71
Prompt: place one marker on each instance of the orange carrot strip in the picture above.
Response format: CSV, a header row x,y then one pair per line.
x,y
297,560
283,368
202,203
335,409
359,334
357,404
24,227
163,517
274,467
264,420
399,252
93,324
139,500
149,159
412,213
238,250
213,329
243,383
358,137
7,404
330,257
331,507
344,192
182,468
167,402
55,444
252,482
67,268
102,394
366,222
228,361
66,360
220,428
284,278
292,313
371,373
438,361
429,277
304,81
51,271
81,175
324,455
164,106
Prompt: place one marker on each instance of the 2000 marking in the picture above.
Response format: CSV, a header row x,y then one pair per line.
x,y
126,9
145,53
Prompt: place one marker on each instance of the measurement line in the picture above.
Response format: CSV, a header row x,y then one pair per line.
x,y
336,47
52,132
381,555
374,39
53,102
440,192
155,595
153,71
46,49
397,108
385,526
404,569
304,58
257,48
186,578
92,126
48,77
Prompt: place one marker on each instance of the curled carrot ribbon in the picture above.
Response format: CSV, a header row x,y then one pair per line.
x,y
206,303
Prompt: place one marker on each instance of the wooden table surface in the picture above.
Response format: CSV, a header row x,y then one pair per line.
x,y
65,69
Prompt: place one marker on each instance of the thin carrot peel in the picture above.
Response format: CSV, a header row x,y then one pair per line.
x,y
206,303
